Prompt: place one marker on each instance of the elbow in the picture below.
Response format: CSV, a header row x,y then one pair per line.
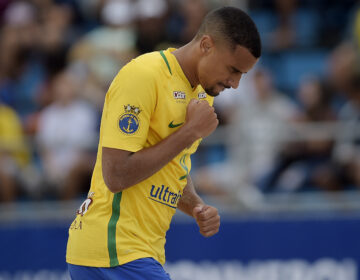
x,y
115,170
115,184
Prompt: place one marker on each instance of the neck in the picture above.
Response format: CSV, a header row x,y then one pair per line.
x,y
187,58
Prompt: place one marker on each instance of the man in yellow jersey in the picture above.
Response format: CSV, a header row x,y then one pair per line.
x,y
156,112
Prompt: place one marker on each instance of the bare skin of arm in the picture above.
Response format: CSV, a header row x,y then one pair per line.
x,y
206,216
189,199
123,169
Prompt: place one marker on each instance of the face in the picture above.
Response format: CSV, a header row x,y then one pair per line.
x,y
310,93
221,67
64,88
263,85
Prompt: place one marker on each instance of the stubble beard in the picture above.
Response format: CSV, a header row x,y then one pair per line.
x,y
211,92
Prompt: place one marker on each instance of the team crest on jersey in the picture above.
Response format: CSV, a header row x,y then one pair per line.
x,y
129,121
202,95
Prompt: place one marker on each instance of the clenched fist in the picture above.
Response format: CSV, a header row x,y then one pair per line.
x,y
207,218
201,118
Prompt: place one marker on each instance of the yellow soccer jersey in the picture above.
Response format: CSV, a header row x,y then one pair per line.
x,y
145,103
11,136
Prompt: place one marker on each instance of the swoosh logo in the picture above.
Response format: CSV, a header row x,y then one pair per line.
x,y
173,125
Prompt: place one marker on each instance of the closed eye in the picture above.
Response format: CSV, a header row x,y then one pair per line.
x,y
235,70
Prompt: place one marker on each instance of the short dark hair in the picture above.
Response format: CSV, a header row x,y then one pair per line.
x,y
235,26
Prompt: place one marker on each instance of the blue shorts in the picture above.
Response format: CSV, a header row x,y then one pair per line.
x,y
141,269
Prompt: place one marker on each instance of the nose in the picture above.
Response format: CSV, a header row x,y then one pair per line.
x,y
234,80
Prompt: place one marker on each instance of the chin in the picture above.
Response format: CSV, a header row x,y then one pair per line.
x,y
212,93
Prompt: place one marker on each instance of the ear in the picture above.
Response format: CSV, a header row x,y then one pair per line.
x,y
206,44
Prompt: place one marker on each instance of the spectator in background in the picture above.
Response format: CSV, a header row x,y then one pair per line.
x,y
342,170
301,161
150,24
3,6
55,36
355,26
336,19
89,12
256,131
342,62
14,154
284,36
35,40
186,20
66,137
261,126
58,33
105,49
346,158
21,74
193,11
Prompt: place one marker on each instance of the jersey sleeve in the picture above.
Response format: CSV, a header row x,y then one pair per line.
x,y
129,105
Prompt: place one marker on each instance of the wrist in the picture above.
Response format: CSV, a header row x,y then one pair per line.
x,y
189,133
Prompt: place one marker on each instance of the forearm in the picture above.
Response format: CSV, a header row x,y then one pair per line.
x,y
144,163
122,169
189,198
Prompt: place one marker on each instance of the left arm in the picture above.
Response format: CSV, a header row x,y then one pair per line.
x,y
206,216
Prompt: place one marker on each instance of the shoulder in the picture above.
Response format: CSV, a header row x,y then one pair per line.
x,y
141,75
149,65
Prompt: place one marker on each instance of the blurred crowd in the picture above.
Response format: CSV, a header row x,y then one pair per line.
x,y
292,125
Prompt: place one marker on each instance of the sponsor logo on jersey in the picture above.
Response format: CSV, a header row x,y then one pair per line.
x,y
164,196
202,95
179,95
173,125
129,121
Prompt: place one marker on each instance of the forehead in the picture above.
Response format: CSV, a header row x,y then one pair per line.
x,y
238,57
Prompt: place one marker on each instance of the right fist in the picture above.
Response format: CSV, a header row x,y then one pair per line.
x,y
201,118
